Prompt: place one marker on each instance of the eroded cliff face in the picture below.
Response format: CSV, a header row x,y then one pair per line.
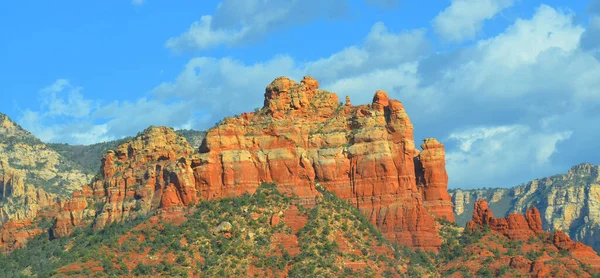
x,y
153,171
301,137
568,202
364,154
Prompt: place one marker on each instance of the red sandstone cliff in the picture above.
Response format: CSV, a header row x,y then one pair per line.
x,y
302,136
153,171
364,154
432,179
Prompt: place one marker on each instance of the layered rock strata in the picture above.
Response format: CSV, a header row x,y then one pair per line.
x,y
301,137
153,171
432,178
364,154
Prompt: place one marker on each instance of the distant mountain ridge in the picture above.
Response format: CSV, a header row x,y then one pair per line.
x,y
568,202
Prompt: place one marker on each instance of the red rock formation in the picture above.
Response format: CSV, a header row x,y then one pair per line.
x,y
301,137
150,172
517,227
73,213
534,220
514,226
432,179
15,233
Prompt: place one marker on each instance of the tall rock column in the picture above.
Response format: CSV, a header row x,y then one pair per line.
x,y
432,179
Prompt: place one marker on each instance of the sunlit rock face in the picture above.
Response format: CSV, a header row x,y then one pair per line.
x,y
365,154
302,137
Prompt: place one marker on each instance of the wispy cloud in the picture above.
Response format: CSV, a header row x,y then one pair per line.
x,y
463,19
239,22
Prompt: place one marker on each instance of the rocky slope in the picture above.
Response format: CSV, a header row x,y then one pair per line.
x,y
194,137
33,178
514,246
568,202
300,138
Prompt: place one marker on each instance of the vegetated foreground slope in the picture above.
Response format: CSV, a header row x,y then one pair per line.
x,y
263,234
568,202
270,234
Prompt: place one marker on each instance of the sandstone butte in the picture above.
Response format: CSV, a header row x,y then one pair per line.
x,y
301,137
522,228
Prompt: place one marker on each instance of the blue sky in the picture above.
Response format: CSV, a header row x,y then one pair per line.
x,y
509,86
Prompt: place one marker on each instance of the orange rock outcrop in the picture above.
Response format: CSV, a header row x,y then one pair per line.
x,y
523,228
153,171
578,250
514,226
73,213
